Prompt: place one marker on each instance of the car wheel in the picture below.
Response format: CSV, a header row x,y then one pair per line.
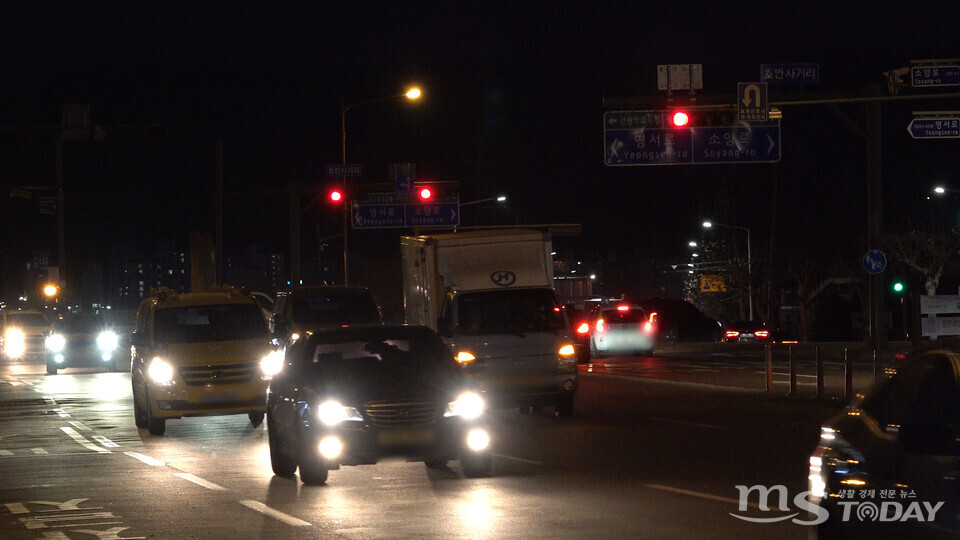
x,y
256,418
313,468
477,465
564,406
139,415
283,463
436,463
156,426
51,369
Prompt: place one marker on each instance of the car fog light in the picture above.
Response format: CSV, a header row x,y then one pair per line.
x,y
58,358
106,357
330,447
478,439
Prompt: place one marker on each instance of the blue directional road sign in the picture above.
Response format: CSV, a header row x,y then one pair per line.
x,y
935,128
630,140
790,73
874,261
398,215
442,214
926,76
344,170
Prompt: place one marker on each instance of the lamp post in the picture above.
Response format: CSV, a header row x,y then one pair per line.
x,y
412,94
709,224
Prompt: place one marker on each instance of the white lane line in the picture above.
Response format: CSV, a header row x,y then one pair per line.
x,y
711,426
520,459
39,451
105,442
79,425
199,481
146,459
698,494
6,453
62,413
275,514
83,441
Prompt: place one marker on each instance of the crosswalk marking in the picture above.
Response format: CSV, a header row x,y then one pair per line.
x,y
83,441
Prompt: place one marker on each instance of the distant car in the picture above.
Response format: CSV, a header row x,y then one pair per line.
x,y
22,333
896,451
679,321
351,396
620,329
302,310
81,340
746,332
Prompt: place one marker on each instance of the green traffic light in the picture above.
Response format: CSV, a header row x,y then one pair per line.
x,y
898,287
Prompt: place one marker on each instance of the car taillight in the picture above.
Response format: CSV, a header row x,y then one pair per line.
x,y
653,317
584,328
762,333
623,308
732,334
600,326
648,327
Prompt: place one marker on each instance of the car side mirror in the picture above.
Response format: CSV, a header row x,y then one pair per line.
x,y
138,339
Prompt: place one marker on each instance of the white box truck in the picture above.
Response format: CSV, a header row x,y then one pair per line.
x,y
489,294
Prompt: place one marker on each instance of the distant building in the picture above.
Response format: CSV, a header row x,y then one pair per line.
x,y
133,271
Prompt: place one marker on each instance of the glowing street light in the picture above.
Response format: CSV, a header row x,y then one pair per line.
x,y
50,290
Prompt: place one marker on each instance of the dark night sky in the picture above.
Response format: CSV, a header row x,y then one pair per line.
x,y
513,102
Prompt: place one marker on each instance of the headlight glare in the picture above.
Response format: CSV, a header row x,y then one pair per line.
x,y
478,439
55,343
468,405
107,341
332,413
272,363
464,358
14,343
160,371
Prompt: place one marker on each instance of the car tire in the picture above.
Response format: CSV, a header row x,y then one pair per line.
x,y
436,463
477,466
51,369
313,468
139,415
256,418
564,406
283,463
156,426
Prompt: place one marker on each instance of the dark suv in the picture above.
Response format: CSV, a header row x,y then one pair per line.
x,y
304,310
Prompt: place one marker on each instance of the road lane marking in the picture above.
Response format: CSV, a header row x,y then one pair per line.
x,y
698,494
39,451
200,481
6,453
105,442
711,426
83,441
62,413
146,459
275,514
79,425
520,459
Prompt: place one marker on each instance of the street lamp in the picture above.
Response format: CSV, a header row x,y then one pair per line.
x,y
412,94
499,198
709,224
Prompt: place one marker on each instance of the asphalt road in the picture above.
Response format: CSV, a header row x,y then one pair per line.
x,y
640,459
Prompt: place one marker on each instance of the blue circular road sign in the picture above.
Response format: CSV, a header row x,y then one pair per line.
x,y
874,261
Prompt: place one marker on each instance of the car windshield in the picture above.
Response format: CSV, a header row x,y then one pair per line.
x,y
615,316
335,309
511,311
393,359
195,324
79,324
27,319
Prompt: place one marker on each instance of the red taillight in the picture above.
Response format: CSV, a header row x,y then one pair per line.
x,y
600,326
648,327
623,308
732,334
584,328
762,333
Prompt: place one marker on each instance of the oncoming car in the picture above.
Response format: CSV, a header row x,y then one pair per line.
x,y
200,354
351,396
81,340
23,333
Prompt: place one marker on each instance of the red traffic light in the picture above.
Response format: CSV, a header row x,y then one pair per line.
x,y
425,194
679,118
336,195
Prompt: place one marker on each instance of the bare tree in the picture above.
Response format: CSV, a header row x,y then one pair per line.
x,y
926,250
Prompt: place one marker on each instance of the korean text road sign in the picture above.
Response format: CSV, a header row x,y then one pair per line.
x,y
752,105
935,128
790,73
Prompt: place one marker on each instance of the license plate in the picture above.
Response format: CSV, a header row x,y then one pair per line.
x,y
406,437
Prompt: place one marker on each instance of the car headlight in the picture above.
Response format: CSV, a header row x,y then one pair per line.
x,y
332,413
160,371
55,343
468,405
107,341
14,342
272,363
